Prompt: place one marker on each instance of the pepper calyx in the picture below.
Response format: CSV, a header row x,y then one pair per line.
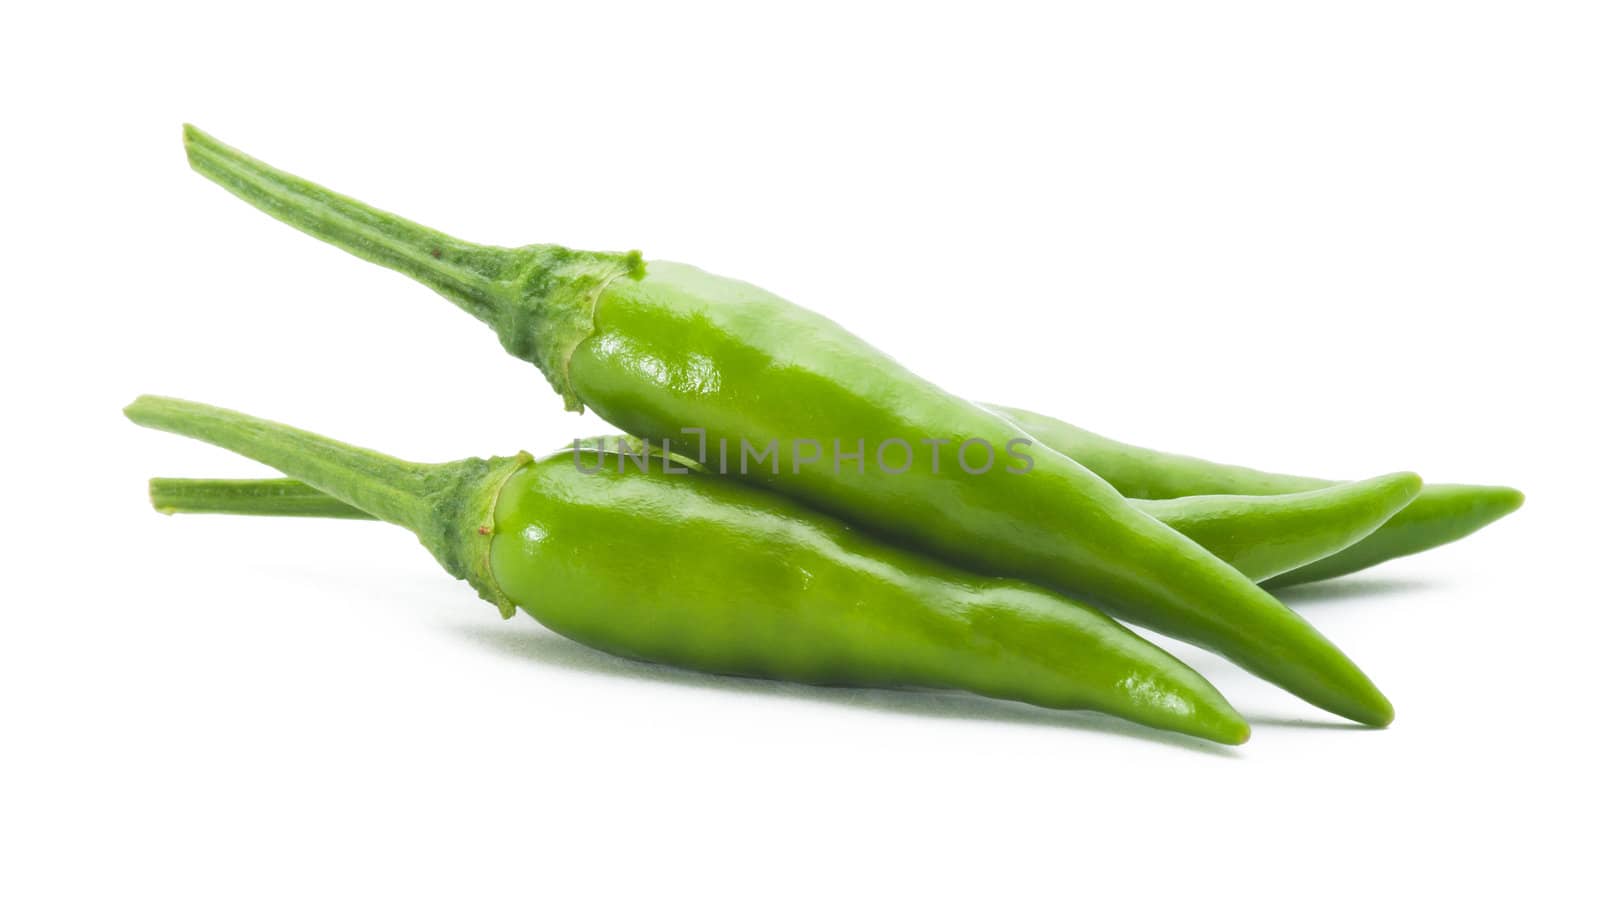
x,y
461,530
548,306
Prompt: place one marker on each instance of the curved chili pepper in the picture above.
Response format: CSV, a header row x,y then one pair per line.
x,y
1262,536
659,350
1440,514
714,575
1258,535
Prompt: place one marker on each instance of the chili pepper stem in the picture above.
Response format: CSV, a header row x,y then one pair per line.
x,y
252,497
538,298
448,506
466,273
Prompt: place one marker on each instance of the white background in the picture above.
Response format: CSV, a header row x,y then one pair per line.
x,y
1340,240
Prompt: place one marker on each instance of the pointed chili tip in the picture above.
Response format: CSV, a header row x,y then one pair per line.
x,y
1490,502
1405,486
1357,699
1217,721
1400,487
1484,504
1381,713
1511,499
1222,727
1408,479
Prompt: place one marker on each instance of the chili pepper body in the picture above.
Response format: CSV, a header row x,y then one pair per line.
x,y
710,574
1258,535
656,350
1440,514
801,597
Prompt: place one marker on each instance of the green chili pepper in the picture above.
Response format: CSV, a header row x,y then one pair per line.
x,y
1258,535
710,574
673,348
1440,514
1262,536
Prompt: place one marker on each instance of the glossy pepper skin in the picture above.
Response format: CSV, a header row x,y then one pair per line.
x,y
666,347
1258,535
1440,514
710,574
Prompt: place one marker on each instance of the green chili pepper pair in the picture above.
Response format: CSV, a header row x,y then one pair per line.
x,y
712,574
755,584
